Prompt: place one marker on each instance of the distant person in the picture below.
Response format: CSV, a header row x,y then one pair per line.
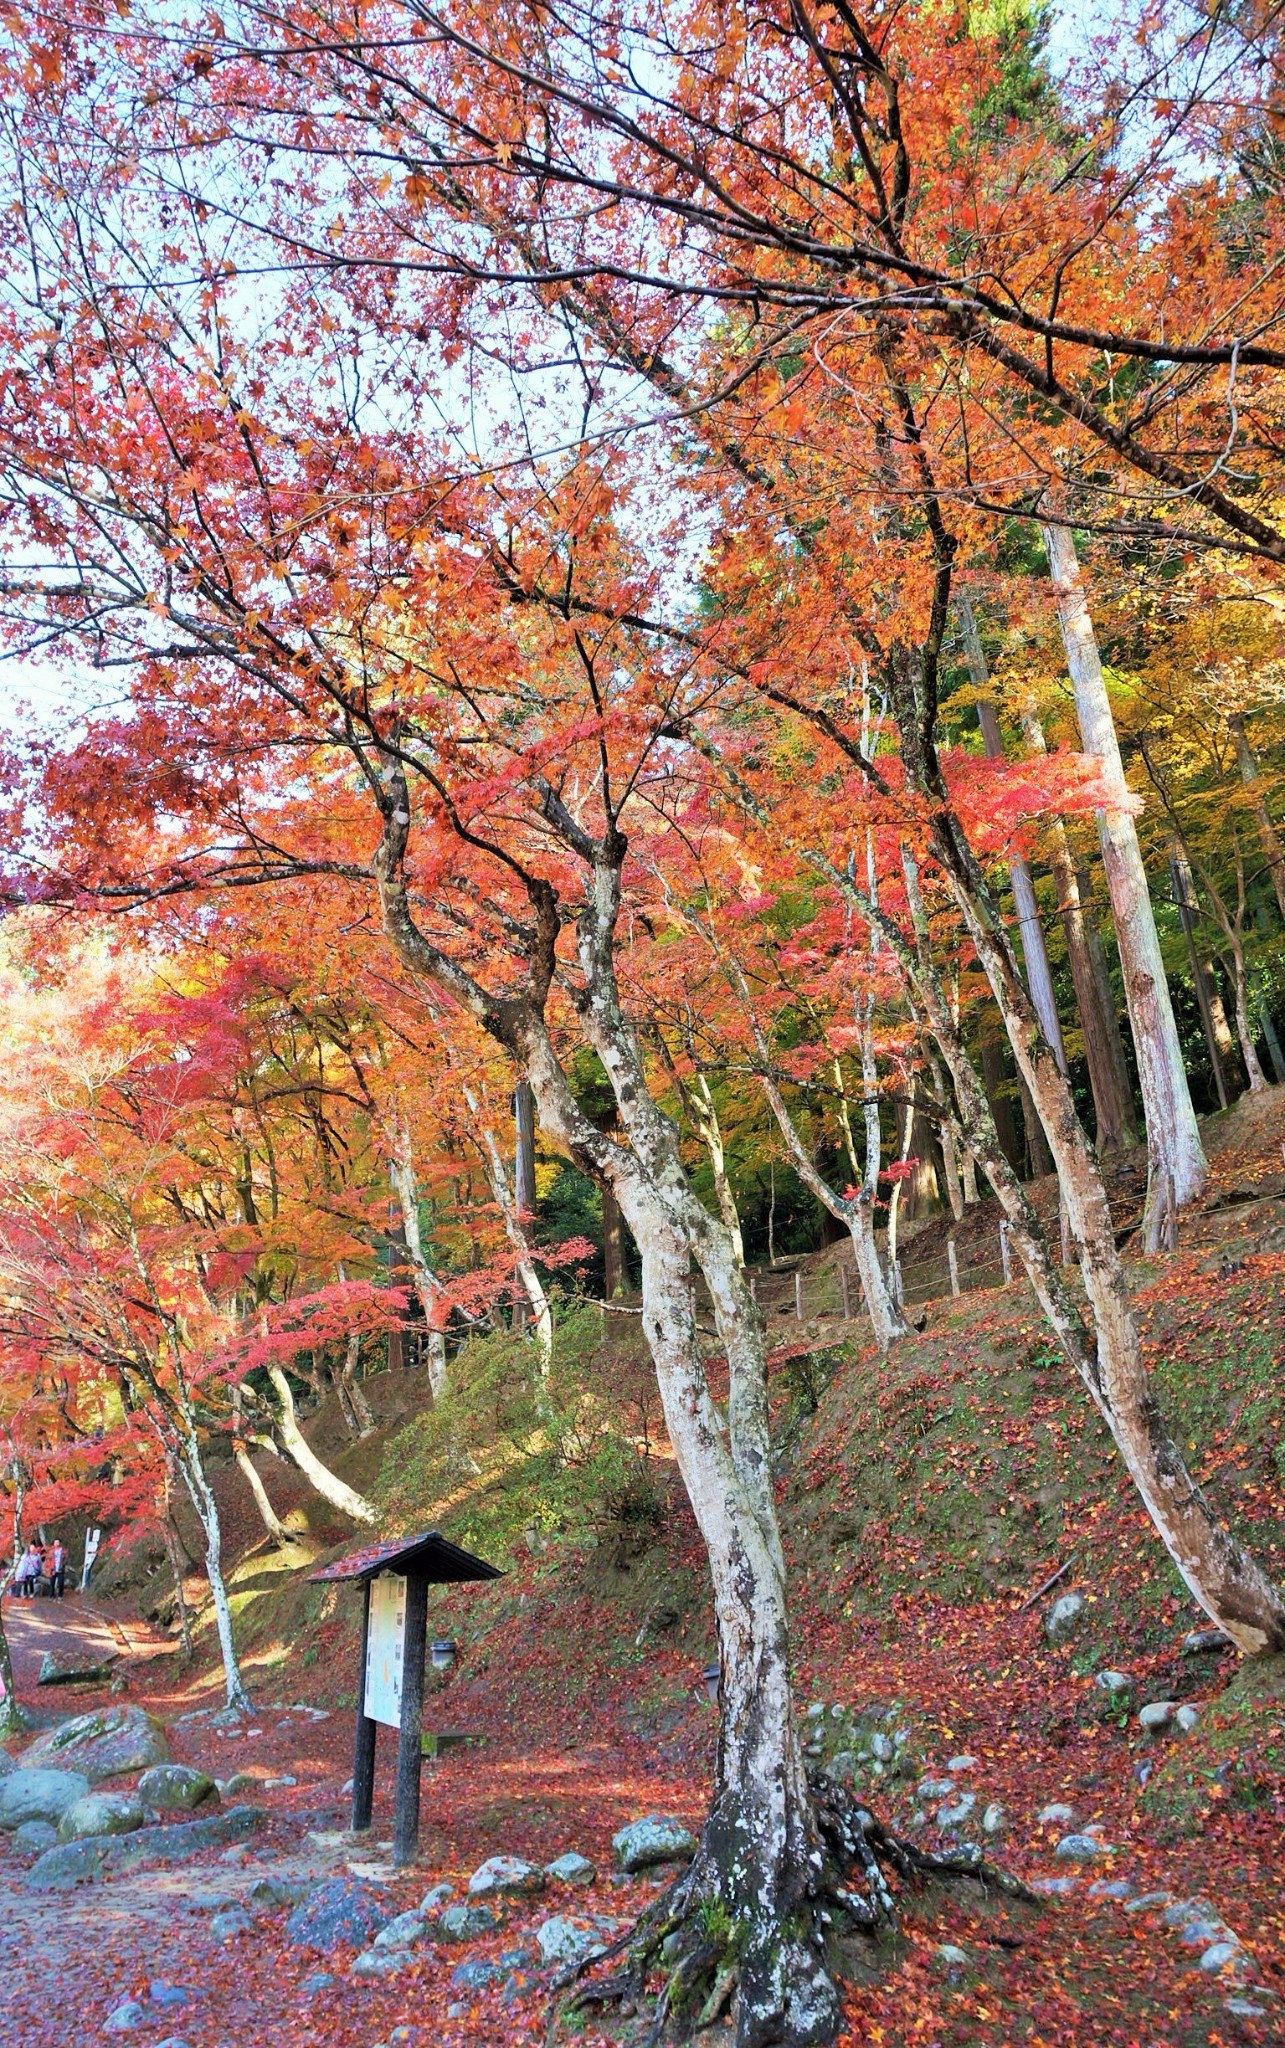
x,y
57,1570
27,1574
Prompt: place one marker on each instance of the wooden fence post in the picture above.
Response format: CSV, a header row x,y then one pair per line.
x,y
798,1292
953,1259
847,1304
1003,1252
754,1288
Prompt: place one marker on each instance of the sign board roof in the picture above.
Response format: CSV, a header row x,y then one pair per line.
x,y
429,1556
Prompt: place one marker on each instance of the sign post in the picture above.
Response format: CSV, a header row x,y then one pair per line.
x,y
394,1579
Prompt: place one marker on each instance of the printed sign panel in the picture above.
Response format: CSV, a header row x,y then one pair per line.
x,y
386,1649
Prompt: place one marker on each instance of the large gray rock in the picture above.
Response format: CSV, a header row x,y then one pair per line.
x,y
506,1876
564,1940
103,1744
69,1667
466,1923
1063,1617
100,1813
97,1856
655,1839
34,1837
1158,1716
34,1793
572,1868
176,1788
343,1911
7,1763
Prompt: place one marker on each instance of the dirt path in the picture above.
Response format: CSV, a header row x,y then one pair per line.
x,y
35,1627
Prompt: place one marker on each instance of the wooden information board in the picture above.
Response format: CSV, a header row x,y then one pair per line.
x,y
386,1653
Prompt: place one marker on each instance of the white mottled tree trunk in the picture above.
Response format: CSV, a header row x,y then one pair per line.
x,y
1175,1155
327,1483
202,1498
401,1172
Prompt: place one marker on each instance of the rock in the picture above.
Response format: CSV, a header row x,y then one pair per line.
x,y
320,1980
161,1992
1186,1719
81,1862
993,1819
655,1839
381,1962
35,1793
1063,1617
34,1837
1199,1933
466,1923
403,1932
1053,1887
936,1788
953,1958
100,1813
1081,1849
1112,1681
881,1748
1221,1953
563,1940
435,1898
66,1667
1149,1902
571,1869
102,1744
1244,2008
506,1876
342,1910
267,1894
1055,1815
954,1816
1110,1888
171,2041
1157,1716
276,1784
476,1976
1204,1641
962,1763
240,1781
7,1763
233,1920
125,2017
176,1788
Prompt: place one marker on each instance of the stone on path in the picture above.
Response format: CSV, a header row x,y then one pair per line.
x,y
571,1869
343,1910
435,1898
655,1839
1203,1640
101,1855
39,1793
1063,1617
125,2017
477,1976
102,1744
233,1920
949,1816
993,1819
1056,1815
466,1923
1081,1849
403,1932
381,1962
509,1876
66,1667
564,1940
1221,1953
1112,1681
176,1788
1186,1719
34,1837
100,1813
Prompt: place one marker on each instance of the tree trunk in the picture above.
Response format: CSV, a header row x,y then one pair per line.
x,y
1109,1081
12,1718
516,1228
259,1492
175,1563
999,1086
207,1513
1039,1158
1274,1053
326,1483
1223,1577
1174,1153
401,1172
350,1387
1039,979
1273,852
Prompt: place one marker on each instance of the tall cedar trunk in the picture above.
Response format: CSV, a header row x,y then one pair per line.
x,y
327,1483
1226,1581
1039,979
1269,839
1039,1158
1104,1055
202,1498
1274,1052
1176,1159
999,1087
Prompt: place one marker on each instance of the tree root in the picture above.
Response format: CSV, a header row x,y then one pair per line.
x,y
681,1955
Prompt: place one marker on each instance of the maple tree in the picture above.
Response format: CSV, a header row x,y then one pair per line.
x,y
476,694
